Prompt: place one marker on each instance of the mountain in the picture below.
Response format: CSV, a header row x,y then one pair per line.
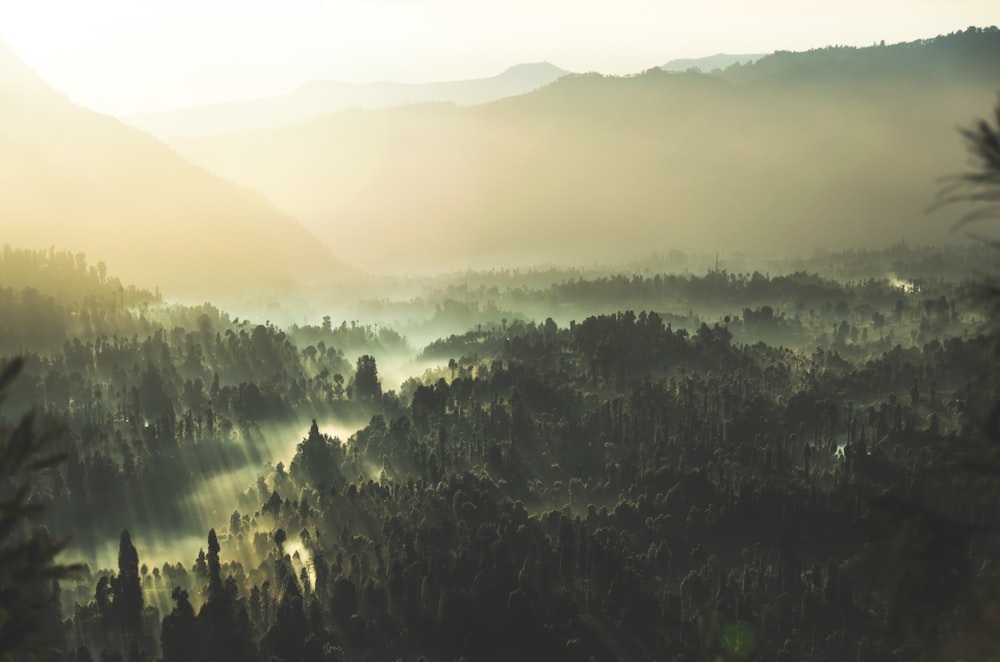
x,y
711,62
78,180
320,97
967,56
810,154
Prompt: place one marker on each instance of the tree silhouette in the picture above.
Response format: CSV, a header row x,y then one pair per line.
x,y
930,550
367,386
28,569
222,625
178,629
128,590
214,566
980,185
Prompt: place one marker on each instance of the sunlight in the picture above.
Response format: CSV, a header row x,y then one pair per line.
x,y
512,356
126,57
304,560
900,284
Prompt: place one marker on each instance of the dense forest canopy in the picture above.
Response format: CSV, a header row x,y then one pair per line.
x,y
629,484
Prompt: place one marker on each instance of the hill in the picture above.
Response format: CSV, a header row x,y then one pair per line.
x,y
321,97
969,56
711,62
592,168
88,183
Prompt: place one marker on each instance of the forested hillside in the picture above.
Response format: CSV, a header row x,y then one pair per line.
x,y
79,180
774,474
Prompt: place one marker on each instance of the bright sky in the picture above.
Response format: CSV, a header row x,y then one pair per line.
x,y
127,56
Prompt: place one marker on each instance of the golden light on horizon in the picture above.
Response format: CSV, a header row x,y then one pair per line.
x,y
124,57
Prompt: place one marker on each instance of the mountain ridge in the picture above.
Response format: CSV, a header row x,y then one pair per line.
x,y
316,98
710,62
599,168
87,182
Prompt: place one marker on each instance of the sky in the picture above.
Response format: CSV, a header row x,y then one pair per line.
x,y
131,56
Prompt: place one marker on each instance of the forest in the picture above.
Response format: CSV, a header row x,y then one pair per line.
x,y
514,380
740,466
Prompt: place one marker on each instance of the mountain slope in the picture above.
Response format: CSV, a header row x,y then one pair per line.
x,y
970,56
602,168
711,62
86,182
318,98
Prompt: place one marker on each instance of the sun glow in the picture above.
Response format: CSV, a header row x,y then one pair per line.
x,y
124,57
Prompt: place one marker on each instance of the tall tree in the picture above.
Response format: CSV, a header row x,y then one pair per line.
x,y
177,634
367,386
128,587
223,625
214,566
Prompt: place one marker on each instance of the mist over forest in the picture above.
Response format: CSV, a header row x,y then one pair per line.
x,y
681,365
837,147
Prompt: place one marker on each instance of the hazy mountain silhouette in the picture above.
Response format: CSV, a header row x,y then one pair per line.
x,y
321,97
602,168
970,56
711,62
78,180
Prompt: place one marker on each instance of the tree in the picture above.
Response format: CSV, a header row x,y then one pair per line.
x,y
214,565
28,569
178,629
272,507
366,383
932,549
979,186
288,633
878,321
128,589
223,625
316,457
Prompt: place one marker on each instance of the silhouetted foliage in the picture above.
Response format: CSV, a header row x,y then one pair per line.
x,y
29,573
980,186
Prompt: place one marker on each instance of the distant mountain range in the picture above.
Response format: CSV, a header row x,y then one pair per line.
x,y
712,62
318,98
86,182
834,148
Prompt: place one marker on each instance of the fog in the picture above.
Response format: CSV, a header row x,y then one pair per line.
x,y
619,359
780,157
210,502
86,182
595,168
322,97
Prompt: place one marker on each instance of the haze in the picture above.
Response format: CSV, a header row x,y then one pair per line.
x,y
833,148
521,363
123,57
